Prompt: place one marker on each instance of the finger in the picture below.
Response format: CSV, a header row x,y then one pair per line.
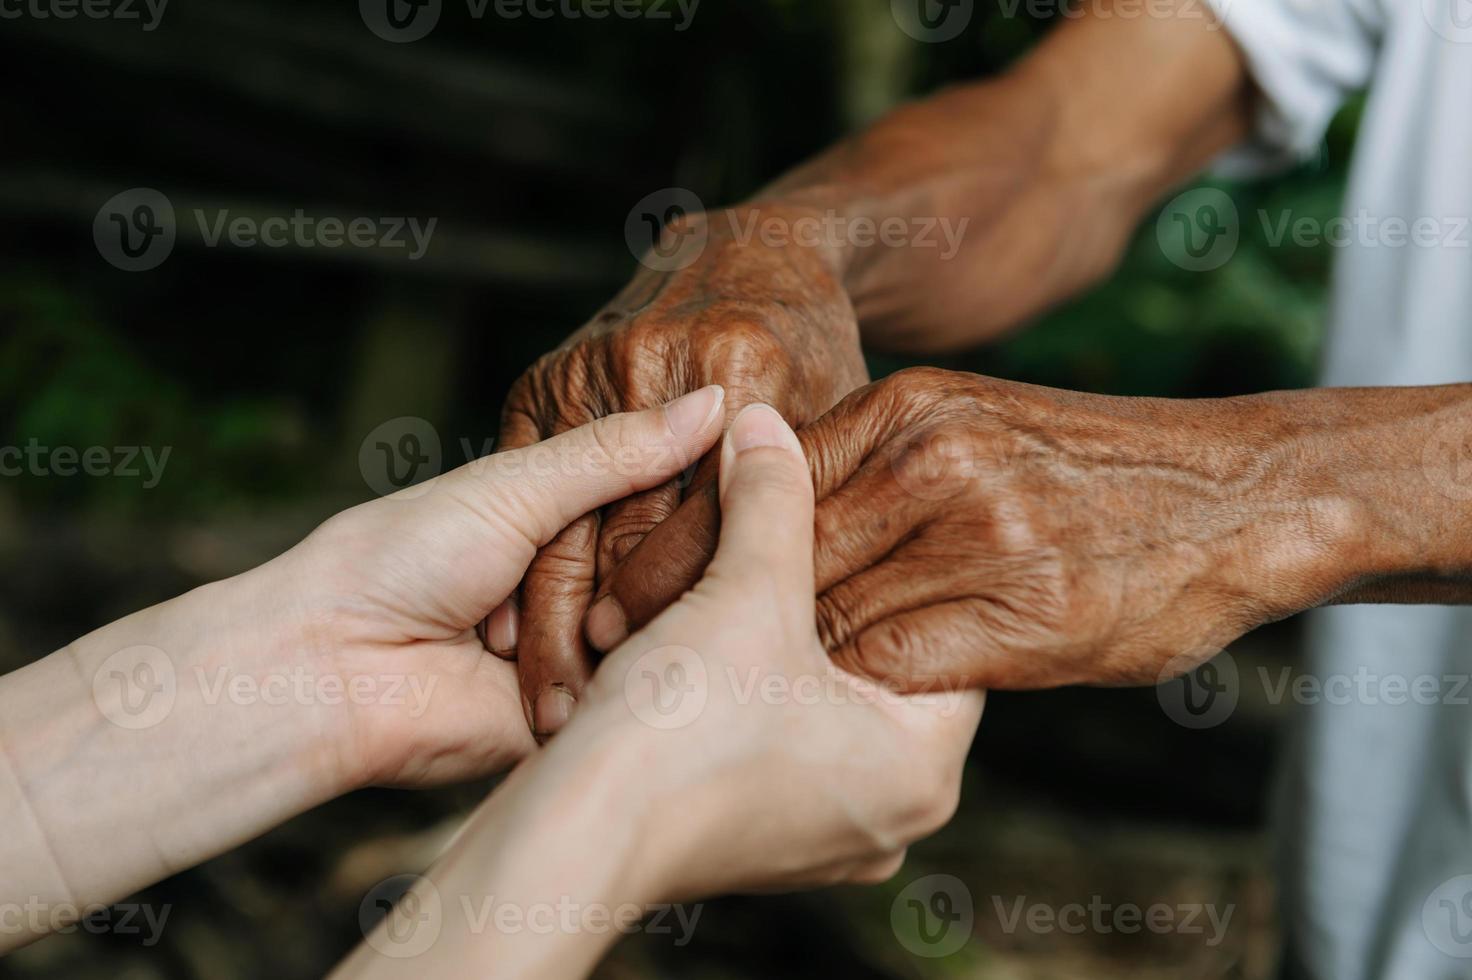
x,y
498,632
863,521
663,567
541,489
941,648
627,522
916,576
674,556
554,662
766,494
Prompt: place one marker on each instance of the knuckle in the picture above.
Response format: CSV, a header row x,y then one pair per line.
x,y
743,349
939,802
642,351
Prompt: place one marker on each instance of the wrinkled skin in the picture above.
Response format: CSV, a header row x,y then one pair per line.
x,y
769,324
979,532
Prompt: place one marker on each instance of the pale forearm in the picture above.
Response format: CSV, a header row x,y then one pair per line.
x,y
545,876
1018,192
127,757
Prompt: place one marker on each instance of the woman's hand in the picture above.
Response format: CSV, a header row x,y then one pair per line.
x,y
398,586
777,768
183,730
769,322
717,750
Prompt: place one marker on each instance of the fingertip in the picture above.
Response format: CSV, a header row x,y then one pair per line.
x,y
758,426
552,711
500,630
607,625
692,414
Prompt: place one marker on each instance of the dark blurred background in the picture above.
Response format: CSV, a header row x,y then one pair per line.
x,y
262,370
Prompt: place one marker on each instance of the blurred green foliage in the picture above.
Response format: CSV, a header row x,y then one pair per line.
x,y
242,364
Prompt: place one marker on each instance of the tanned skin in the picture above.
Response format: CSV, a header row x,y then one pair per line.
x,y
971,529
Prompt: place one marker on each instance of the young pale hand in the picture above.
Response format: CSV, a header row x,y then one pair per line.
x,y
718,750
398,586
767,766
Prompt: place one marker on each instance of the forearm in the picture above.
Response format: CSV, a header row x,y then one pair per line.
x,y
1018,192
1401,458
545,876
124,757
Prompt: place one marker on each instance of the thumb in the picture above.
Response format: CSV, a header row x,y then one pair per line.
x,y
543,488
766,495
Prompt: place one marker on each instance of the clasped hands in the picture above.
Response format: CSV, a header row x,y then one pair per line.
x,y
970,533
794,640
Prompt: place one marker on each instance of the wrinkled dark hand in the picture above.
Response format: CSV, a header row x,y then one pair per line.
x,y
979,532
769,324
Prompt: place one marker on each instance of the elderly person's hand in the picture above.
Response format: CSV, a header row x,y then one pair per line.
x,y
768,322
717,750
986,533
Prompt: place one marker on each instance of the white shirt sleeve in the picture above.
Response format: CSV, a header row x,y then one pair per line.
x,y
1307,57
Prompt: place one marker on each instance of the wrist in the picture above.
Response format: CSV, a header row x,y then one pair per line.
x,y
1384,469
139,757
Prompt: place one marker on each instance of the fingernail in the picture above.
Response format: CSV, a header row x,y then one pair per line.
x,y
691,413
502,628
758,427
553,709
606,626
